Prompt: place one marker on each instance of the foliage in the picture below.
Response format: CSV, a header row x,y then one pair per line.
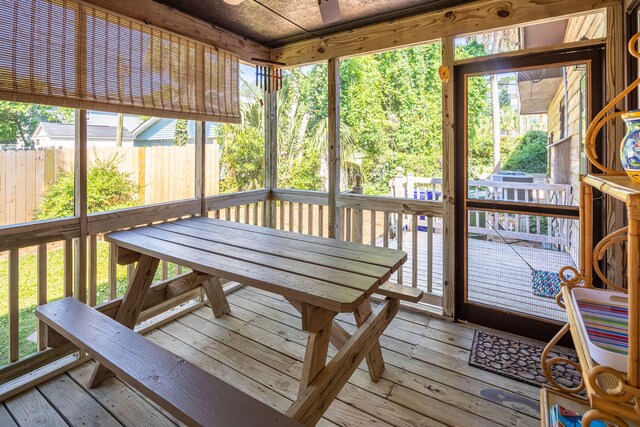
x,y
530,153
18,120
181,134
390,111
242,151
108,189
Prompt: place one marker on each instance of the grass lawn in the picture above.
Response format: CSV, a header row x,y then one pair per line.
x,y
55,290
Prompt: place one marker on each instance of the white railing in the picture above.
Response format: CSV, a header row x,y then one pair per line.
x,y
556,231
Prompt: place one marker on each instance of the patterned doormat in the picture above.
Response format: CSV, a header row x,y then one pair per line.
x,y
519,360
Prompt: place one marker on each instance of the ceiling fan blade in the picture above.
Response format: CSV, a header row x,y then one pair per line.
x,y
329,10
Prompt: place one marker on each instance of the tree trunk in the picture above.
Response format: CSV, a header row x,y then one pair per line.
x,y
495,104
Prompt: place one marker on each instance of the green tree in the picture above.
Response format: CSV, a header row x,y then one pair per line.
x,y
530,153
242,151
19,120
390,111
108,189
181,133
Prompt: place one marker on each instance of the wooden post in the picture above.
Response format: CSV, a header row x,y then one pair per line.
x,y
398,183
270,153
357,216
201,168
142,174
409,194
42,292
614,132
215,295
335,222
410,185
448,192
80,204
14,304
130,308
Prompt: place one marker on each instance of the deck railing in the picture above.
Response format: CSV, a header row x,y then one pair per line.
x,y
49,247
376,221
47,254
556,231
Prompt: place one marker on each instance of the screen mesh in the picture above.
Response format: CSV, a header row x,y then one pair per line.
x,y
63,53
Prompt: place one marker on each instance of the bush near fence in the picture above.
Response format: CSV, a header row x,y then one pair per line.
x,y
163,173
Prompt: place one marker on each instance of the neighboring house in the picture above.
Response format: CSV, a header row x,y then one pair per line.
x,y
62,135
101,132
157,131
8,145
102,118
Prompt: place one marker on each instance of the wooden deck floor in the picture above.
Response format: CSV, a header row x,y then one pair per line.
x,y
497,275
259,348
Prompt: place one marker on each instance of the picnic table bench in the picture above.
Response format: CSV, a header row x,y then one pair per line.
x,y
320,277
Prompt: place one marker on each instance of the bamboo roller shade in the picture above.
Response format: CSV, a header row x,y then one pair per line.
x,y
70,54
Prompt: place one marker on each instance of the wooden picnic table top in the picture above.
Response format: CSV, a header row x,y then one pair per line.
x,y
324,272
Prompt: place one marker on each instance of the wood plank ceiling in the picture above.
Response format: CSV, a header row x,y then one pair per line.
x,y
277,22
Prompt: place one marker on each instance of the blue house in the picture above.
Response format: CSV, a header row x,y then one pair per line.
x,y
158,131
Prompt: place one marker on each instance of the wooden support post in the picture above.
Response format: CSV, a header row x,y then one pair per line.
x,y
335,222
215,295
270,153
42,292
448,197
80,204
357,215
14,304
68,268
317,322
93,270
201,168
375,362
316,398
633,242
614,132
130,308
339,335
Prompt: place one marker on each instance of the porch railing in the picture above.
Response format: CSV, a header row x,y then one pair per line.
x,y
376,221
555,231
54,245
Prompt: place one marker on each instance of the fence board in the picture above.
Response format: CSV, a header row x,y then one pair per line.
x,y
163,173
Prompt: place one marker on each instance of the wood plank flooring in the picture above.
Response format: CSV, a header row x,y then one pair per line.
x,y
259,349
498,277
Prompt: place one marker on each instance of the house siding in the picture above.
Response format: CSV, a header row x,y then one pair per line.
x,y
163,132
565,158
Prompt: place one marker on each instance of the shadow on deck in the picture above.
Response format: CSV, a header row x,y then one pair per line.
x,y
259,348
498,276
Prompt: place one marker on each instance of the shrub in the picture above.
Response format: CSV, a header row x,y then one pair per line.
x,y
530,154
181,134
108,189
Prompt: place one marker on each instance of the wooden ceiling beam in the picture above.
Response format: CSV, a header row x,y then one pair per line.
x,y
165,17
473,17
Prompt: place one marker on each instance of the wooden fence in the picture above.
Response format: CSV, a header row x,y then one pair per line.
x,y
163,173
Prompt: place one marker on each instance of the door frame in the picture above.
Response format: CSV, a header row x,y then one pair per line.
x,y
521,324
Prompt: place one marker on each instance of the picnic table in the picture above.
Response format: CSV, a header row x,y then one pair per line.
x,y
320,277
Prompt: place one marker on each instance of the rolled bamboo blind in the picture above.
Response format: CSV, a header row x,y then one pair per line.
x,y
70,54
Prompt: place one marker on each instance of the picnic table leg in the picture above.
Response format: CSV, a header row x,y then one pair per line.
x,y
130,308
317,323
375,362
216,297
339,335
314,400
